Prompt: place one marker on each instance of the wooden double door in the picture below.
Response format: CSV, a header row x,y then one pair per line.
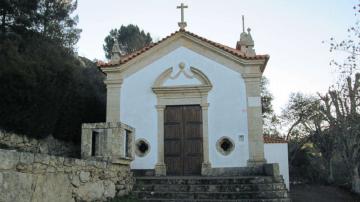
x,y
183,148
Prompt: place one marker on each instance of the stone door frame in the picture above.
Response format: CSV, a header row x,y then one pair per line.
x,y
181,95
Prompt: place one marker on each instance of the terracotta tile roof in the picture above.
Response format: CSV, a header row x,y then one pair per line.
x,y
233,51
273,140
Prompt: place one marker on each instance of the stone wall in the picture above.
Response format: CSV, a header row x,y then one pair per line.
x,y
27,177
48,145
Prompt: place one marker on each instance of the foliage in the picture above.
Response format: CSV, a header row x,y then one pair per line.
x,y
129,37
45,88
50,18
330,123
308,166
342,101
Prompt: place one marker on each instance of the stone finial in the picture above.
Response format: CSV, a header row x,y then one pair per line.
x,y
246,43
116,52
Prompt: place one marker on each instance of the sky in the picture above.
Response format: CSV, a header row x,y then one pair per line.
x,y
290,31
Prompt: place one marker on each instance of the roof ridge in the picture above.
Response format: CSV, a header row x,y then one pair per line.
x,y
228,49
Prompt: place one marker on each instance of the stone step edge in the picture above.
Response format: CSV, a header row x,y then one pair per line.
x,y
201,177
222,200
235,184
202,192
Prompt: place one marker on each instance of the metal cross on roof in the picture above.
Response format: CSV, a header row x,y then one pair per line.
x,y
182,24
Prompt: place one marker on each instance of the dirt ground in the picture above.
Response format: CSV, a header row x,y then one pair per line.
x,y
321,193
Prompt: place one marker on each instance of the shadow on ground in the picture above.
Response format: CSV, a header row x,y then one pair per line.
x,y
321,193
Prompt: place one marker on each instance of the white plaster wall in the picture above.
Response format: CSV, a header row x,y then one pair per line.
x,y
227,110
278,153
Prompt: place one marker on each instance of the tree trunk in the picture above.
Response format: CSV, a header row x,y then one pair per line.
x,y
356,180
331,171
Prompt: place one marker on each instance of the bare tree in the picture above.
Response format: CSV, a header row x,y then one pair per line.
x,y
342,111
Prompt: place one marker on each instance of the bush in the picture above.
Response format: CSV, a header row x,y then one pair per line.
x,y
46,90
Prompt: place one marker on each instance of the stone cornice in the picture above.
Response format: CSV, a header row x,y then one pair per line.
x,y
181,90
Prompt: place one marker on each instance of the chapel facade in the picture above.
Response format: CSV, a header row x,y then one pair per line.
x,y
195,104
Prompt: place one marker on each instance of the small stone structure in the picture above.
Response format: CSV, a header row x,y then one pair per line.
x,y
104,172
107,141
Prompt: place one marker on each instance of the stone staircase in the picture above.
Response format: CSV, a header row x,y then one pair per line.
x,y
212,189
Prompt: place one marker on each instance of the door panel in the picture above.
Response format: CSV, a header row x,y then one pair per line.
x,y
183,140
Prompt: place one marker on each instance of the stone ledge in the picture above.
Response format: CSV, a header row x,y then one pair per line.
x,y
105,125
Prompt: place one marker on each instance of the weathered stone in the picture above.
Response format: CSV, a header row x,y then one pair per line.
x,y
80,162
75,181
52,187
90,191
84,176
39,168
272,169
21,167
109,191
16,186
8,159
48,145
42,158
51,169
27,158
45,178
120,187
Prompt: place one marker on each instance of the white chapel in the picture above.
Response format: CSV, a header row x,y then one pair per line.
x,y
195,105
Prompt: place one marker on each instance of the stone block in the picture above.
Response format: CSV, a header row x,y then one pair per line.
x,y
75,181
109,189
51,169
42,158
26,157
84,176
272,169
52,187
69,162
16,186
90,192
80,162
39,168
8,159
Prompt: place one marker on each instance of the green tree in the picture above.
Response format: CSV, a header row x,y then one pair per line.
x,y
17,15
51,18
54,21
130,38
45,88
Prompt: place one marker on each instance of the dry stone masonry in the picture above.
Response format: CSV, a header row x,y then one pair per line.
x,y
29,174
26,177
48,145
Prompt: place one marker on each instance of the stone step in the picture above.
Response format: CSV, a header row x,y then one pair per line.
x,y
210,188
215,200
212,195
201,180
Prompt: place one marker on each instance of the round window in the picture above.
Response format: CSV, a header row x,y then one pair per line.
x,y
142,147
225,145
